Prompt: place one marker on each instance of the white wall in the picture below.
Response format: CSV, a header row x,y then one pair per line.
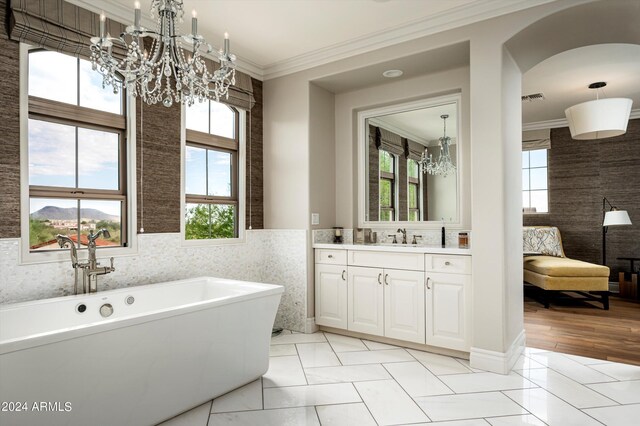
x,y
491,94
286,153
322,152
512,131
442,191
348,104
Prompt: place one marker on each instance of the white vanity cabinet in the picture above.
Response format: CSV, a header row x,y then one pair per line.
x,y
331,288
408,295
389,300
448,301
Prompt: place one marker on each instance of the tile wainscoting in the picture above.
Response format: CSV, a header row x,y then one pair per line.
x,y
269,256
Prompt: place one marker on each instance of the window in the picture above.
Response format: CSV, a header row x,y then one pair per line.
x,y
212,184
76,153
413,180
387,186
535,194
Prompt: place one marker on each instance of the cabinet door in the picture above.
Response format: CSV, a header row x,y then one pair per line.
x,y
448,302
331,295
404,305
366,300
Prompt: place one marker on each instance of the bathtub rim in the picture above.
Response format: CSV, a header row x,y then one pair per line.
x,y
7,346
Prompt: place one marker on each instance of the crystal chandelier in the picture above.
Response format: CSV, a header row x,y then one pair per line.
x,y
172,69
443,166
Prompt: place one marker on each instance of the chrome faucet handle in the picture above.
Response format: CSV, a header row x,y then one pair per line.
x,y
414,241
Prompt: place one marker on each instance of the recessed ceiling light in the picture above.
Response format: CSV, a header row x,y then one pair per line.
x,y
392,73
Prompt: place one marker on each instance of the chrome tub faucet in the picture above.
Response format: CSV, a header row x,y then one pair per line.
x,y
91,269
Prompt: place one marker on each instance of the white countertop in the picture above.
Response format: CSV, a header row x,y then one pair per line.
x,y
397,248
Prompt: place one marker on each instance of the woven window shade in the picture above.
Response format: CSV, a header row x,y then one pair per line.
x,y
63,27
59,26
536,139
388,141
241,93
415,150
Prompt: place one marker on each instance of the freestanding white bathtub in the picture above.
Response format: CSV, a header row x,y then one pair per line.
x,y
176,346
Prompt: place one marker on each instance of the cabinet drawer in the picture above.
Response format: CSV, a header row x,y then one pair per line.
x,y
448,263
383,259
333,257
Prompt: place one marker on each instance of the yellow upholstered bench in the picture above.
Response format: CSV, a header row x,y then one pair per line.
x,y
551,271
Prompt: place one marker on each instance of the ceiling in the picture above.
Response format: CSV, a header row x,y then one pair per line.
x,y
421,125
564,78
277,37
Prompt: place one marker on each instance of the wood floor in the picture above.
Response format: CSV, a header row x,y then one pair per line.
x,y
584,328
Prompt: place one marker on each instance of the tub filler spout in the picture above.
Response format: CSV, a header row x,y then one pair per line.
x,y
91,269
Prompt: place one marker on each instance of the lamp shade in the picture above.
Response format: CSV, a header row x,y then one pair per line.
x,y
616,217
603,118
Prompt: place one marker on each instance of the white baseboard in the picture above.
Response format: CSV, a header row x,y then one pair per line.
x,y
498,362
310,326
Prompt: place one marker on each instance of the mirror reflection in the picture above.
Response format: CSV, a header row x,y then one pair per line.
x,y
412,158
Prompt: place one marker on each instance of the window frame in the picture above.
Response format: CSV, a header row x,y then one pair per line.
x,y
80,117
237,148
529,191
391,177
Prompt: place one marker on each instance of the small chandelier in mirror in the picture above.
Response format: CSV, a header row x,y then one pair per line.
x,y
443,165
173,69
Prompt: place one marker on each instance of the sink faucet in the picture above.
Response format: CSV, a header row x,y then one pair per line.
x,y
91,269
404,235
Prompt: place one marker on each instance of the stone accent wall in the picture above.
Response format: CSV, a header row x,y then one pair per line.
x,y
254,163
403,206
10,135
374,184
161,177
580,174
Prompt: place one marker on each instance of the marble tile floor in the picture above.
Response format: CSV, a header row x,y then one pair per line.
x,y
327,379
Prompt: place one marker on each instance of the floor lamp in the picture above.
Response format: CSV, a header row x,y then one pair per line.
x,y
611,217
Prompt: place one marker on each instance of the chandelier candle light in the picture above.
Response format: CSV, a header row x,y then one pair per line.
x,y
173,69
443,166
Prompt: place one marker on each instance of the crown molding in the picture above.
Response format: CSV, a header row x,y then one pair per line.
x,y
562,122
380,122
467,14
453,18
123,14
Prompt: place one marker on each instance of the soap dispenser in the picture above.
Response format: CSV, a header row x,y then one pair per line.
x,y
443,234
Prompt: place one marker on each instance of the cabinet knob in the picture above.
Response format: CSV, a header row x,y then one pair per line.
x,y
330,256
380,278
386,279
343,278
428,288
447,263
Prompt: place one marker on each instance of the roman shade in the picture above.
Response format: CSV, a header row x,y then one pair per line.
x,y
415,150
63,27
536,139
58,25
386,140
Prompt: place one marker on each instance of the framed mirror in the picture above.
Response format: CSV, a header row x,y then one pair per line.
x,y
409,158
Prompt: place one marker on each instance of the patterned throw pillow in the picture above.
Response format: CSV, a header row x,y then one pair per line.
x,y
542,239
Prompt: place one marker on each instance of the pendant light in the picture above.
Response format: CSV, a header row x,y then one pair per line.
x,y
599,119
